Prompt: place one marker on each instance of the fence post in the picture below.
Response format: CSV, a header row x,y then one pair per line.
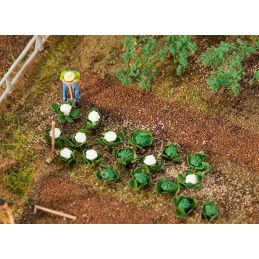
x,y
9,85
39,43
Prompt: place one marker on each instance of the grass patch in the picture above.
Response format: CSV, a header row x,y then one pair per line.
x,y
18,181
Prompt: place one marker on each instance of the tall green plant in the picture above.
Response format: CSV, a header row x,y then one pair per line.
x,y
226,62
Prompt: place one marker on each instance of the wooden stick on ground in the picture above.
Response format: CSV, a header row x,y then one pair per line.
x,y
53,152
61,214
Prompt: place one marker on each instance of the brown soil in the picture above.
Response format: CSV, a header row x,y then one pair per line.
x,y
173,121
61,194
10,49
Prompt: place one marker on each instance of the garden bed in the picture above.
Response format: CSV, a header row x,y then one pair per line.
x,y
231,149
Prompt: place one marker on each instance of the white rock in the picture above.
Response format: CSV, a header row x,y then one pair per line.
x,y
91,154
80,137
94,116
191,178
65,153
150,160
110,136
65,108
57,132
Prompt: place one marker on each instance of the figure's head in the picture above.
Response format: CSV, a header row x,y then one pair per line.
x,y
3,204
69,76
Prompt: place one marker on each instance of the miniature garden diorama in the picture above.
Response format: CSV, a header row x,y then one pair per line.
x,y
132,153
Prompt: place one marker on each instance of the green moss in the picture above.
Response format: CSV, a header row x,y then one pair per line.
x,y
18,181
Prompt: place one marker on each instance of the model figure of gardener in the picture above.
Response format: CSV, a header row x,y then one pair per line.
x,y
4,206
70,80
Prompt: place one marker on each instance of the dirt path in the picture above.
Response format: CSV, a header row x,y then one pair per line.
x,y
61,194
221,141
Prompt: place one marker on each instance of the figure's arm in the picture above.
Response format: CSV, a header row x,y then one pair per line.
x,y
10,215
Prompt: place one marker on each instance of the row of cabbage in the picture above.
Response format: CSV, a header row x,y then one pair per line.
x,y
141,168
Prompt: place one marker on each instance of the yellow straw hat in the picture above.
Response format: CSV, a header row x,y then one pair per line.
x,y
69,76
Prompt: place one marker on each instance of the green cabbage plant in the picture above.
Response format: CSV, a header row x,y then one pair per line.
x,y
92,157
108,175
209,210
110,138
94,119
141,138
125,156
184,205
65,112
171,152
68,156
191,180
59,137
78,140
151,164
165,186
197,161
140,179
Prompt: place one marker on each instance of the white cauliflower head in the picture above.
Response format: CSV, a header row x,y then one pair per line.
x,y
80,137
65,153
94,117
65,108
150,160
110,136
91,154
57,132
191,178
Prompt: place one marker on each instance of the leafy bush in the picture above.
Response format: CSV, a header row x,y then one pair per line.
x,y
184,205
65,112
256,73
139,62
140,179
109,175
165,186
18,181
191,180
125,156
91,157
178,48
110,138
226,62
171,152
209,210
141,138
93,119
68,156
142,58
59,137
151,164
78,140
197,161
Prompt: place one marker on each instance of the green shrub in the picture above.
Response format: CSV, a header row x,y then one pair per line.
x,y
178,48
143,57
226,62
139,62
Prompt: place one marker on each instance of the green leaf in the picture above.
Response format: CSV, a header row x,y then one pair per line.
x,y
69,119
55,107
74,114
61,118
